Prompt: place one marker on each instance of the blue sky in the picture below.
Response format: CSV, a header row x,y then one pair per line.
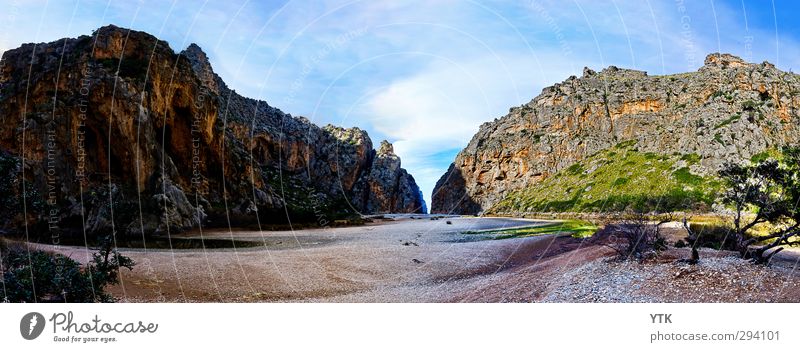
x,y
424,74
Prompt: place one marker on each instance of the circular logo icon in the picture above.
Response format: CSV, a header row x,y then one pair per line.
x,y
31,325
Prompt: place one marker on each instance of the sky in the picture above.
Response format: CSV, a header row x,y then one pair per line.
x,y
424,74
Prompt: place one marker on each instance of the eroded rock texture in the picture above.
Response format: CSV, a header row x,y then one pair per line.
x,y
728,110
116,132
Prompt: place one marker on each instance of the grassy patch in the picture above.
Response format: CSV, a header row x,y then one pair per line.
x,y
684,176
621,178
575,169
717,231
625,144
575,228
769,153
691,159
620,181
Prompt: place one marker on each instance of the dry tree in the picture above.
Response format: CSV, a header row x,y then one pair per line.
x,y
638,235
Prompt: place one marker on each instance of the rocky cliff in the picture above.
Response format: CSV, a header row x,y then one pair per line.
x,y
116,132
728,110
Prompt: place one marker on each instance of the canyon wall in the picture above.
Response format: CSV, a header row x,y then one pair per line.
x,y
728,110
115,132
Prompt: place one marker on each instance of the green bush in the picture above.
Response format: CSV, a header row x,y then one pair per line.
x,y
32,275
728,121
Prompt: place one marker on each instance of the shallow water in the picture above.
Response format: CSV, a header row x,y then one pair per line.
x,y
157,243
395,227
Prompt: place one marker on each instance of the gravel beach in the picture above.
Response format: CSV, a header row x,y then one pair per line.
x,y
421,259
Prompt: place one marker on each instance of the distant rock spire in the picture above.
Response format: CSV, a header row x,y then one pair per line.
x,y
201,66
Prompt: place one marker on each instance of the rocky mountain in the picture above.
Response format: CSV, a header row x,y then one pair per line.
x,y
116,132
691,123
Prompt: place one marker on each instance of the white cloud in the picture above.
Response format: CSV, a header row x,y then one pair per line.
x,y
441,108
424,74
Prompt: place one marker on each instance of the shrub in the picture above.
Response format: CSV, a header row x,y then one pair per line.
x,y
32,275
637,237
728,121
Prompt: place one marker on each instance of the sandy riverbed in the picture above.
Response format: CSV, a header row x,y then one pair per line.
x,y
423,260
318,264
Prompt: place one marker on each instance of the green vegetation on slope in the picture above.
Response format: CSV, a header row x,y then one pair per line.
x,y
616,179
763,156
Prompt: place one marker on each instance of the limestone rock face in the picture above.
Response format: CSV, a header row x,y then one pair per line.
x,y
728,110
391,188
116,132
